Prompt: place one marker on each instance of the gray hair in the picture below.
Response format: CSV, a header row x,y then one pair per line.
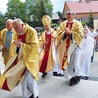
x,y
71,11
18,20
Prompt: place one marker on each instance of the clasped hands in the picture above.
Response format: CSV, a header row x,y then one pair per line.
x,y
4,50
17,43
67,31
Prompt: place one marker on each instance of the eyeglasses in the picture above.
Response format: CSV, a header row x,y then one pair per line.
x,y
69,14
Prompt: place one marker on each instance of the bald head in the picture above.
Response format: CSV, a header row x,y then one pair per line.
x,y
9,25
9,20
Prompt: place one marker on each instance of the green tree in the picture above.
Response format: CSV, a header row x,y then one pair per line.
x,y
2,21
60,14
37,10
30,11
90,20
16,8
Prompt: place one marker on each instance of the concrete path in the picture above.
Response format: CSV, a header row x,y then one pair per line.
x,y
58,87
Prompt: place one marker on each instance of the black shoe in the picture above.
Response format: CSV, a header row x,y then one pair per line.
x,y
32,96
37,97
55,74
72,81
44,74
75,80
61,75
85,77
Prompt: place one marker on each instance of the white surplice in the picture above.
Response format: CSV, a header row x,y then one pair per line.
x,y
86,53
73,69
56,59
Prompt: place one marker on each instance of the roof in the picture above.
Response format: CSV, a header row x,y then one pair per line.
x,y
55,16
83,7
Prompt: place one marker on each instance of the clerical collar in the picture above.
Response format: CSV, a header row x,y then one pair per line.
x,y
70,21
10,30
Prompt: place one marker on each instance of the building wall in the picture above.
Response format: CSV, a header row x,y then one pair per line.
x,y
81,16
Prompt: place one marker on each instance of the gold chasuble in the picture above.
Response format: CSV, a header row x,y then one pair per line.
x,y
27,59
6,38
64,41
46,57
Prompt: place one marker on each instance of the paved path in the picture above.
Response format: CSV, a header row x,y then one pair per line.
x,y
94,68
57,87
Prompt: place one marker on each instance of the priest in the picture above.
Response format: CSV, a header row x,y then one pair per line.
x,y
24,63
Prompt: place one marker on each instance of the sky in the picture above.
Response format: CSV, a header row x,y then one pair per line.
x,y
3,5
57,5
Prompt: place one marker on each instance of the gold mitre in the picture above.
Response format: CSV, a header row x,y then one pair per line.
x,y
46,20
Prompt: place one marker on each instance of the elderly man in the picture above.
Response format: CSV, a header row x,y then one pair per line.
x,y
26,62
6,37
69,36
